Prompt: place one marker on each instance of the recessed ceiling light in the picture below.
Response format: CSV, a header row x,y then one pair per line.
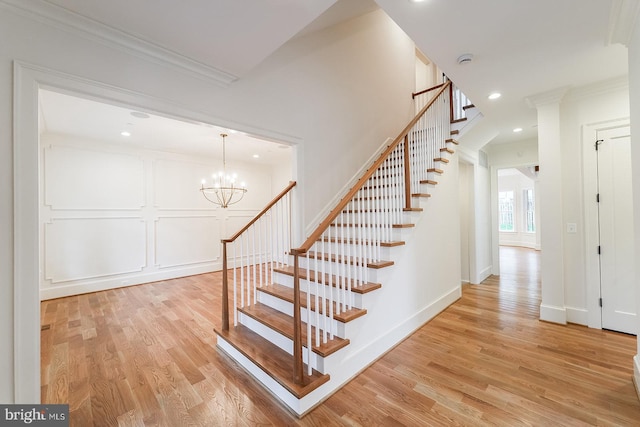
x,y
517,130
495,95
125,133
256,156
140,115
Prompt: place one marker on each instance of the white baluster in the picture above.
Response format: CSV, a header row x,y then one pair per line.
x,y
309,314
317,294
235,286
332,255
242,270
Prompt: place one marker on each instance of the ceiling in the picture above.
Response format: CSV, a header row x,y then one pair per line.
x,y
87,119
200,30
520,48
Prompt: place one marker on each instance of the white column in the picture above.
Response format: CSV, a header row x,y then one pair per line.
x,y
536,192
552,308
634,101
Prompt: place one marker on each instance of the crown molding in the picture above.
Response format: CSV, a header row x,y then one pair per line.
x,y
82,26
547,98
599,88
622,20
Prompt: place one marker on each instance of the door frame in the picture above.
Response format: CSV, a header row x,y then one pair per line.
x,y
28,79
591,235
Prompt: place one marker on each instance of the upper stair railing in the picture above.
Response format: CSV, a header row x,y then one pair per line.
x,y
457,100
353,233
259,247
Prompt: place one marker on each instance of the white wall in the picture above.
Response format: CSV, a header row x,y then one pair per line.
x,y
466,203
336,94
479,216
115,216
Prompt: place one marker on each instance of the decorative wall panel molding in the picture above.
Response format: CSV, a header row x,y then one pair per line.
x,y
186,240
176,185
80,249
92,180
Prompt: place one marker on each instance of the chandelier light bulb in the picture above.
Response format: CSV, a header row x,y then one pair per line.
x,y
223,185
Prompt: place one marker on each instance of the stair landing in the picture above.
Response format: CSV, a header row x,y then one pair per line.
x,y
275,362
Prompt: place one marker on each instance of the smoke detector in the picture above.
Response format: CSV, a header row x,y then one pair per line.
x,y
465,58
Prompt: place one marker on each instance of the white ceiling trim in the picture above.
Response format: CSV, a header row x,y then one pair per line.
x,y
66,20
598,88
624,14
547,98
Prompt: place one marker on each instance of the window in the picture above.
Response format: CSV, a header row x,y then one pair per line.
x,y
505,210
529,209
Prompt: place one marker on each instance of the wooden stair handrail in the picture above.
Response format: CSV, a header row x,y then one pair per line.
x,y
261,213
413,95
363,180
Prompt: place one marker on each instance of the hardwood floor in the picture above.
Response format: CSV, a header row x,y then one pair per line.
x,y
145,355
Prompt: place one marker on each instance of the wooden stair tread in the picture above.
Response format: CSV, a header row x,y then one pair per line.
x,y
441,159
447,150
413,209
285,293
274,361
435,170
420,195
462,119
466,107
324,279
350,260
455,132
451,140
358,241
283,323
429,181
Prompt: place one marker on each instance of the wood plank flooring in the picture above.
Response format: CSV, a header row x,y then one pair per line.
x,y
145,355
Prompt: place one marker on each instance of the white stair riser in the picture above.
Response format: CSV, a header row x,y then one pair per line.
x,y
287,308
373,217
340,248
286,280
433,175
342,270
366,233
279,340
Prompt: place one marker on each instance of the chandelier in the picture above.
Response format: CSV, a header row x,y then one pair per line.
x,y
223,186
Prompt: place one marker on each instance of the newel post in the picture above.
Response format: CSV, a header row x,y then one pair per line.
x,y
225,289
407,174
298,368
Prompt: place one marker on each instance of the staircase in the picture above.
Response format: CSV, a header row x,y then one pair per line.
x,y
307,319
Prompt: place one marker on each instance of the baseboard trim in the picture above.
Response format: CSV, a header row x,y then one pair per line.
x,y
483,274
579,316
636,374
553,314
121,282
